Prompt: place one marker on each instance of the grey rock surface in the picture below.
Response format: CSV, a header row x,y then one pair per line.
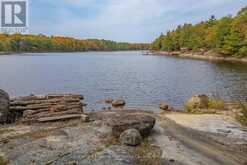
x,y
4,106
131,137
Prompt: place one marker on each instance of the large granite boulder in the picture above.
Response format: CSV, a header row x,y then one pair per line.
x,y
131,137
197,103
4,106
120,121
143,123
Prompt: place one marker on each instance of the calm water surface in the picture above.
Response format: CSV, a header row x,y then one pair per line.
x,y
143,81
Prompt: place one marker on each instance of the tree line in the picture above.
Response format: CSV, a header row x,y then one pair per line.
x,y
226,36
41,43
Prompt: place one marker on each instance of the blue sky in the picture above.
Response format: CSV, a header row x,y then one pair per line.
x,y
122,20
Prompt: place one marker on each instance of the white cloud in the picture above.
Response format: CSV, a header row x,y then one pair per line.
x,y
133,20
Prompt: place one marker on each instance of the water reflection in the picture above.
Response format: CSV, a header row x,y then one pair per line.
x,y
140,80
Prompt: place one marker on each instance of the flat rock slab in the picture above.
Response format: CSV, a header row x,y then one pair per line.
x,y
61,144
121,121
211,123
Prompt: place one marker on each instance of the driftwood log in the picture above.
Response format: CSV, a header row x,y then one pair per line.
x,y
48,108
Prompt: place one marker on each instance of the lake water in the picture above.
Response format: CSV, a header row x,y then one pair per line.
x,y
143,81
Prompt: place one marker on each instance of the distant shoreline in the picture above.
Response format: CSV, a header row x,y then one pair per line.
x,y
14,53
200,56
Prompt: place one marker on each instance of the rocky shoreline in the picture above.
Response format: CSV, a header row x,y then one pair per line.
x,y
199,55
120,137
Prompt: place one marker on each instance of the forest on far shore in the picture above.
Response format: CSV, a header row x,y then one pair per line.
x,y
226,36
41,43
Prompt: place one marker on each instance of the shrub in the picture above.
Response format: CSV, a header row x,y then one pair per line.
x,y
216,104
242,116
3,161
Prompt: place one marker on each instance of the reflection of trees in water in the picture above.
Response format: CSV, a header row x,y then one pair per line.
x,y
232,79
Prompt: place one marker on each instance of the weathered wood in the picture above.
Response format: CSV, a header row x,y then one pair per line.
x,y
57,118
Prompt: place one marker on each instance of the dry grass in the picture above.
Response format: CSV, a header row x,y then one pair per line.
x,y
213,106
242,116
216,104
106,144
3,131
146,154
3,161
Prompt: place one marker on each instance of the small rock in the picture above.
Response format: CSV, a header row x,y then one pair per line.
x,y
109,101
4,106
131,137
164,106
118,103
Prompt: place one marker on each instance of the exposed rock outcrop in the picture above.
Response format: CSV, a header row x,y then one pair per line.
x,y
131,137
4,106
48,108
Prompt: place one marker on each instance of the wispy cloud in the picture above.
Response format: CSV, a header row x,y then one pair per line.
x,y
122,20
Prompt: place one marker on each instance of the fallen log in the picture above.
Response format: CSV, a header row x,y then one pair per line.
x,y
57,118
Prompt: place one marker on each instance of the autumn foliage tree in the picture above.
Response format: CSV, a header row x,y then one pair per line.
x,y
226,36
42,43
